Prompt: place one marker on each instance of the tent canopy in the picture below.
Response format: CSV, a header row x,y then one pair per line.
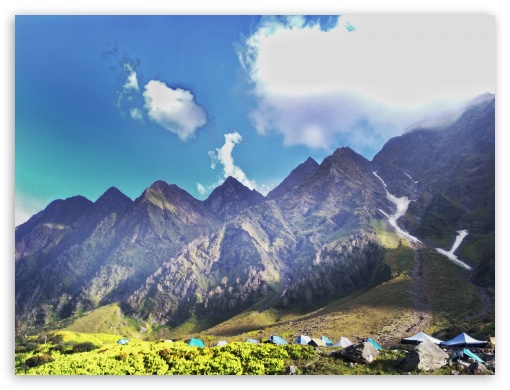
x,y
327,341
196,343
221,343
463,340
253,341
374,343
317,343
277,340
303,340
343,342
122,341
419,338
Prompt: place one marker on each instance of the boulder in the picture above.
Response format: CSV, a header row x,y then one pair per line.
x,y
426,356
478,369
362,353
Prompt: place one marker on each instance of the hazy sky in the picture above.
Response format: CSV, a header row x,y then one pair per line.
x,y
124,101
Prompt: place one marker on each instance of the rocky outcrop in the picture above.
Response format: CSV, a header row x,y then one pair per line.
x,y
425,357
362,353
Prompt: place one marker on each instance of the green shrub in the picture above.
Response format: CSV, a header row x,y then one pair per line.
x,y
37,360
86,346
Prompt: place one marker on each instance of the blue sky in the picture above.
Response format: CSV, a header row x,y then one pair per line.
x,y
124,101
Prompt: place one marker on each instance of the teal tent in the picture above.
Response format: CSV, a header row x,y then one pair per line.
x,y
277,340
327,341
253,341
304,340
468,353
122,341
374,343
463,340
196,343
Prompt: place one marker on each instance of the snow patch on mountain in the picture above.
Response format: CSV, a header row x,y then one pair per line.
x,y
401,204
450,254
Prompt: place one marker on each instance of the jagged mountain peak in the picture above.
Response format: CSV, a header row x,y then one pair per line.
x,y
230,198
298,174
113,199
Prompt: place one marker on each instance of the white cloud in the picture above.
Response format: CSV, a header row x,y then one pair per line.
x,y
136,114
132,79
173,109
201,189
25,207
224,157
382,71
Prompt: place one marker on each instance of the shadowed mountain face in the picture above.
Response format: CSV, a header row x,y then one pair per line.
x,y
167,256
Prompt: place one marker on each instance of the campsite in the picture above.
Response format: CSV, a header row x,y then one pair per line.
x,y
70,353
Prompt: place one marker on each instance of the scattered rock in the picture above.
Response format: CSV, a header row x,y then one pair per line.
x,y
363,353
478,369
427,356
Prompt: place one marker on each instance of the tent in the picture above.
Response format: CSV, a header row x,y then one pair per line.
x,y
463,340
467,352
317,343
419,338
196,343
221,343
343,342
277,340
122,341
304,340
253,341
327,341
374,343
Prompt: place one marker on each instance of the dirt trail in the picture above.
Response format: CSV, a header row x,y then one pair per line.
x,y
419,316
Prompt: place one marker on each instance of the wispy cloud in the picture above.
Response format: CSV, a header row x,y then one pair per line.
x,y
132,79
173,109
378,73
223,156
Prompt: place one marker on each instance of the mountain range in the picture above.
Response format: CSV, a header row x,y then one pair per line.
x,y
167,257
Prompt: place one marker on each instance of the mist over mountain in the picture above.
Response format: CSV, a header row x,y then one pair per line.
x,y
168,257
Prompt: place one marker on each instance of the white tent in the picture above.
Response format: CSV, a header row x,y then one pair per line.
x,y
419,338
221,343
463,340
343,342
303,340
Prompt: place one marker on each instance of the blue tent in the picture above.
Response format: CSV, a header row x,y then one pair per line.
x,y
196,343
277,340
253,341
374,343
463,340
122,341
467,352
419,338
327,341
304,340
